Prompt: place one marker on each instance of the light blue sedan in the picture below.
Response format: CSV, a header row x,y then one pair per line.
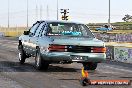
x,y
61,42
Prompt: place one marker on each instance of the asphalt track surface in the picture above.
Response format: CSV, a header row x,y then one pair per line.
x,y
14,75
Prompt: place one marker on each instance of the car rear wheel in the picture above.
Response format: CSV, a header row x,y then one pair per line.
x,y
40,64
22,55
89,66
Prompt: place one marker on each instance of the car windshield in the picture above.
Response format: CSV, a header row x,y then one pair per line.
x,y
69,29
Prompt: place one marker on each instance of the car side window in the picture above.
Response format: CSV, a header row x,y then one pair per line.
x,y
33,29
45,27
39,30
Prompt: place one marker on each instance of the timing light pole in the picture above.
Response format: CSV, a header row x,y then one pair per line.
x,y
109,13
27,13
8,14
57,10
47,12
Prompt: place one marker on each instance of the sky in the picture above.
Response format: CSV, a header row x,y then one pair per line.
x,y
85,11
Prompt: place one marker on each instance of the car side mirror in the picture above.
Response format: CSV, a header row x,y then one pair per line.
x,y
26,33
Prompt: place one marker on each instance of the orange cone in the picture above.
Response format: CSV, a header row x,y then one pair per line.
x,y
84,73
85,80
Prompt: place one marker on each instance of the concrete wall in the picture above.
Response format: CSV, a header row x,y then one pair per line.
x,y
109,37
114,37
123,54
119,53
14,32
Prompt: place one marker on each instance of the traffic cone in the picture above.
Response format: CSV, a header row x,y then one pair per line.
x,y
84,79
84,73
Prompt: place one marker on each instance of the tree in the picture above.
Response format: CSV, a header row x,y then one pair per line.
x,y
127,18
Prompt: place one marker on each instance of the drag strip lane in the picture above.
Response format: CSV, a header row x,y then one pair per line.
x,y
57,76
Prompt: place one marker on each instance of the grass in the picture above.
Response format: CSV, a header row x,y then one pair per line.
x,y
115,31
123,23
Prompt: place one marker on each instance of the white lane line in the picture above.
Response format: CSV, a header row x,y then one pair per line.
x,y
120,69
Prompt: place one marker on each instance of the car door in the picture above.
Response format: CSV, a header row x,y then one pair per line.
x,y
28,44
36,38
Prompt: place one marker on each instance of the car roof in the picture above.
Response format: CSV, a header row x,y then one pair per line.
x,y
59,21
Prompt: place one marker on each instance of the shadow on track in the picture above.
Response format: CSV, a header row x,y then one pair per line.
x,y
8,66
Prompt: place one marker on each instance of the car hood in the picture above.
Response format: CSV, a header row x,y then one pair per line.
x,y
81,41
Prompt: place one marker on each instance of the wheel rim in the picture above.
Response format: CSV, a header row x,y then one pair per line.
x,y
38,61
20,56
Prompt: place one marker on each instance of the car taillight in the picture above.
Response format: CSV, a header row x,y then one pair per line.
x,y
98,50
57,48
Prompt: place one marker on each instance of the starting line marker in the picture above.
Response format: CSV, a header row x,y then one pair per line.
x,y
86,81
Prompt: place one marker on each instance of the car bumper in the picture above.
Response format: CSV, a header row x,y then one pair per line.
x,y
75,57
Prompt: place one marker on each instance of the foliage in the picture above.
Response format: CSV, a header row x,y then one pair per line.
x,y
127,18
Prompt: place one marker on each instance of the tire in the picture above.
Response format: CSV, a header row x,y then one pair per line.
x,y
22,55
85,81
96,30
89,66
40,64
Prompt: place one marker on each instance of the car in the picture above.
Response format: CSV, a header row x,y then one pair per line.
x,y
105,28
61,42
